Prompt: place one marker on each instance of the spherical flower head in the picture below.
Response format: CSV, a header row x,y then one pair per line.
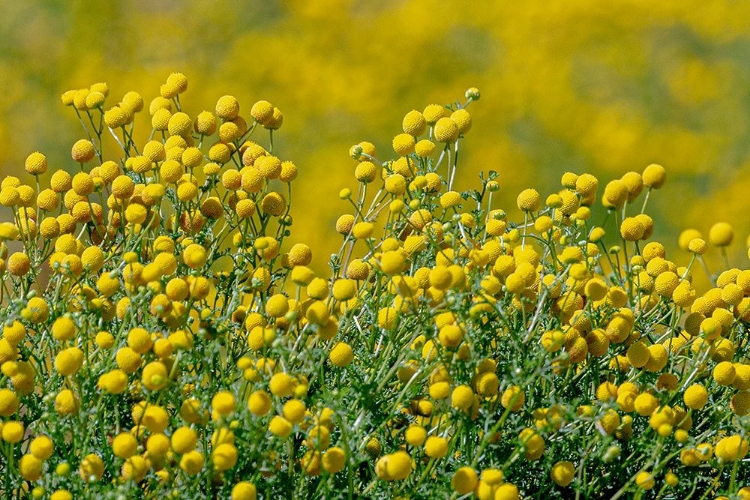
x,y
18,264
12,432
365,171
277,306
394,467
446,130
192,462
424,148
731,448
83,184
92,468
9,196
615,194
631,229
179,80
724,373
633,182
586,185
224,456
658,357
645,480
195,256
276,121
179,124
344,289
433,112
462,118
38,310
153,151
279,426
294,411
334,459
169,90
513,398
300,255
741,380
529,200
227,107
139,339
341,355
268,166
259,403
687,235
436,447
401,166
9,402
132,102
205,123
403,144
698,246
273,204
666,283
245,209
30,468
358,270
160,119
95,100
154,376
414,123
83,151
68,97
462,396
79,99
49,228
392,262
64,328
68,361
464,480
721,234
244,491
563,473
695,397
114,381
231,131
281,385
288,171
66,403
184,440
192,157
158,103
395,184
262,112
36,163
654,176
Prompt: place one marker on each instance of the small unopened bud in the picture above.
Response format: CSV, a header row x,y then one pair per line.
x,y
473,94
356,151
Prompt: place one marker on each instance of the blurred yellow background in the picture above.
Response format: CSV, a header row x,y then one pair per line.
x,y
580,85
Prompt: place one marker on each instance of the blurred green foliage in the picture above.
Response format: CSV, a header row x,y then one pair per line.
x,y
580,85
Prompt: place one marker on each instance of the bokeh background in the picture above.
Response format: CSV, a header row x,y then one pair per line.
x,y
580,85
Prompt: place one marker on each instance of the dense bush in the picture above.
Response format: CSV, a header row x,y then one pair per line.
x,y
163,337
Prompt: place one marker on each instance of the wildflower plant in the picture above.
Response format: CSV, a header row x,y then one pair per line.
x,y
164,336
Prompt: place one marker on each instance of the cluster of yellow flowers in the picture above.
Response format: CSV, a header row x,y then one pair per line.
x,y
162,337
